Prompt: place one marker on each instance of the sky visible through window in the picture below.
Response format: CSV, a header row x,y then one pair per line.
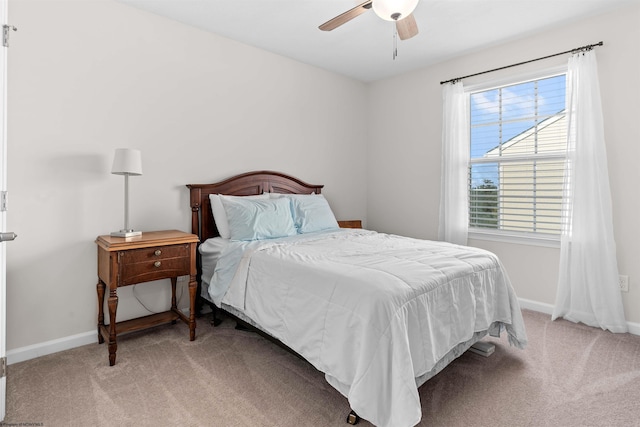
x,y
498,115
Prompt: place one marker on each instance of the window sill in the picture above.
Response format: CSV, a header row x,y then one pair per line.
x,y
517,238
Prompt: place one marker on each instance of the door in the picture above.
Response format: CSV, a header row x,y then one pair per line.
x,y
4,236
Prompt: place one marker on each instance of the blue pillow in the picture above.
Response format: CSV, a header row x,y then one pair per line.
x,y
311,212
257,219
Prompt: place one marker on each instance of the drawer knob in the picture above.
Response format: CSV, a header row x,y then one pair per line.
x,y
157,264
158,252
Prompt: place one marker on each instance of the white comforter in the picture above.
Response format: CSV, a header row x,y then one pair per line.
x,y
372,311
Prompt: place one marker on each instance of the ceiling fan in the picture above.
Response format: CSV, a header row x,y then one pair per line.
x,y
399,11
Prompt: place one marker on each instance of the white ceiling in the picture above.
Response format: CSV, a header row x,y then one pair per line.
x,y
362,48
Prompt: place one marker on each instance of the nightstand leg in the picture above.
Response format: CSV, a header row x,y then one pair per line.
x,y
174,303
100,288
193,286
113,307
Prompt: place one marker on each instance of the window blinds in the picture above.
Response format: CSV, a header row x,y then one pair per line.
x,y
518,148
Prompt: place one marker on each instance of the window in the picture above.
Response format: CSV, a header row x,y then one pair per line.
x,y
518,147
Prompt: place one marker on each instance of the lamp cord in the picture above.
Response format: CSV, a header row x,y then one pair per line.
x,y
137,297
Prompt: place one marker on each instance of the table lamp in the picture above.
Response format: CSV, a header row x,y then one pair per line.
x,y
126,162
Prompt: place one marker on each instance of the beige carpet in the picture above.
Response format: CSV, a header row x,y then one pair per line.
x,y
569,375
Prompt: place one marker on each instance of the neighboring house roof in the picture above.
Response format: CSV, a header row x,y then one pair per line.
x,y
555,124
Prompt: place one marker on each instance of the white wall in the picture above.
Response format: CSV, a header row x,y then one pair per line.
x,y
86,77
405,127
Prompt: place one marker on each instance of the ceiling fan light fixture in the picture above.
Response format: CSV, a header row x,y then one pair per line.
x,y
394,10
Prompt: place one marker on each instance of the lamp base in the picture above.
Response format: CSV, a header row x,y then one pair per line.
x,y
126,233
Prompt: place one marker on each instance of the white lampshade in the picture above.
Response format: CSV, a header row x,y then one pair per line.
x,y
127,161
394,10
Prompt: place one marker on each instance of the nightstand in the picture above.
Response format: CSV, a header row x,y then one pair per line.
x,y
154,255
352,223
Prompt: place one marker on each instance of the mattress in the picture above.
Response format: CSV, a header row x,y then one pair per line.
x,y
210,251
377,313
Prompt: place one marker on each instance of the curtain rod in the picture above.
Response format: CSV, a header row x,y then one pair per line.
x,y
578,49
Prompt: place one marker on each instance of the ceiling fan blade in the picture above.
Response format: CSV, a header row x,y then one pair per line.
x,y
407,27
346,16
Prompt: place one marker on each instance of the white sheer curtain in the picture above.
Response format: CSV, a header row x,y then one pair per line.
x,y
454,203
588,289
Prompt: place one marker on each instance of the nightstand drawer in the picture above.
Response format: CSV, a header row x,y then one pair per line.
x,y
144,265
155,253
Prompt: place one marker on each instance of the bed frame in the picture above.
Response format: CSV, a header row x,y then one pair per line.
x,y
254,183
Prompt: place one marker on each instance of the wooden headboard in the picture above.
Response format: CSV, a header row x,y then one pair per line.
x,y
246,184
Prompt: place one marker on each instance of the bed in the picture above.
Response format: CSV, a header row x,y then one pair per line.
x,y
378,314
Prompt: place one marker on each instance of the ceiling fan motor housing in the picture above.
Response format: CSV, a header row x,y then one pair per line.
x,y
394,10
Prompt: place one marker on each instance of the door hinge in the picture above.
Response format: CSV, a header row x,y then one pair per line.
x,y
3,367
4,200
5,34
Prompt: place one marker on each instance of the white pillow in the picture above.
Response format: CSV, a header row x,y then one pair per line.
x,y
251,219
311,212
220,215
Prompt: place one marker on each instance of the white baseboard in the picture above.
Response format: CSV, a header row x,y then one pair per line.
x,y
634,328
48,347
540,307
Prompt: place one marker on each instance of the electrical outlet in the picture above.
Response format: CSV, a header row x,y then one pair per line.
x,y
623,281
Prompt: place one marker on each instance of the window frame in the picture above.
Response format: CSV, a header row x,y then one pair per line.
x,y
497,235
